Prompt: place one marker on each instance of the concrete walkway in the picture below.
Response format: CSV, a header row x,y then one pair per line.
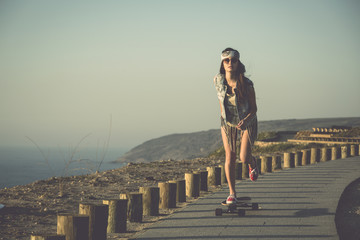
x,y
298,203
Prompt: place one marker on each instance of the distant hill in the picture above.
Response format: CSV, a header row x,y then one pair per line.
x,y
175,146
200,144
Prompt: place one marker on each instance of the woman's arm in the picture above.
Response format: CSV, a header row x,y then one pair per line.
x,y
220,107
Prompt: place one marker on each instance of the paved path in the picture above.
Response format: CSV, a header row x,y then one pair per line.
x,y
297,203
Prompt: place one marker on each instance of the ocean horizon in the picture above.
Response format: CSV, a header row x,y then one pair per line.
x,y
24,165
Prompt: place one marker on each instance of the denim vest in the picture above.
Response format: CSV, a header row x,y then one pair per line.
x,y
221,89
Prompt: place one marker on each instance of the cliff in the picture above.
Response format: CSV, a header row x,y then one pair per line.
x,y
201,144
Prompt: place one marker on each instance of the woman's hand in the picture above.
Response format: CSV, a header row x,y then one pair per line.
x,y
242,125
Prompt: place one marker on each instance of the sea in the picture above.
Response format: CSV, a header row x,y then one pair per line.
x,y
24,165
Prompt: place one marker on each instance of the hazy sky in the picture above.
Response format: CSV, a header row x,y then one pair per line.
x,y
69,67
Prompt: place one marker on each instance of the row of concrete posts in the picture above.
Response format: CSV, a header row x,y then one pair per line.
x,y
94,221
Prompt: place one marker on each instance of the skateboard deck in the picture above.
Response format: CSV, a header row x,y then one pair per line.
x,y
237,208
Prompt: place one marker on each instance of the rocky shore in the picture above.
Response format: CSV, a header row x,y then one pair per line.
x,y
33,208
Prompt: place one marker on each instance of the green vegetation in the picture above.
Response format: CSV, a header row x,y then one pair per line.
x,y
353,132
282,147
267,136
271,148
218,153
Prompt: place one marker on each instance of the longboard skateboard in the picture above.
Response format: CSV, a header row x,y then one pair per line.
x,y
237,208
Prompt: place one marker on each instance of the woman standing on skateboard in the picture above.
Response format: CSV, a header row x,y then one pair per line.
x,y
238,116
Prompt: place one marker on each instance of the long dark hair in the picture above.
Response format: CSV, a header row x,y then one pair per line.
x,y
240,71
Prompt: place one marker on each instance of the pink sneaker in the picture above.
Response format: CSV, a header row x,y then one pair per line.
x,y
253,172
231,199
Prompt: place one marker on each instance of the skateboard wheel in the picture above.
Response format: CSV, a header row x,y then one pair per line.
x,y
241,213
218,212
255,206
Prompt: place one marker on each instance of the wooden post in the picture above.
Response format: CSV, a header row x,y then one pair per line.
x,y
334,153
135,206
117,215
98,219
167,195
356,150
245,170
325,154
238,170
47,237
298,158
74,227
204,181
344,151
289,160
266,164
198,187
305,157
328,153
352,150
150,199
348,149
180,190
287,157
263,164
258,163
223,175
172,197
276,163
214,176
192,184
314,155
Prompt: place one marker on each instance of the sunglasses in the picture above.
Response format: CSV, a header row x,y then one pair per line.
x,y
228,60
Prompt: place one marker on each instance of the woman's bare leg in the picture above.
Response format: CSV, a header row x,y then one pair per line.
x,y
230,158
245,150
